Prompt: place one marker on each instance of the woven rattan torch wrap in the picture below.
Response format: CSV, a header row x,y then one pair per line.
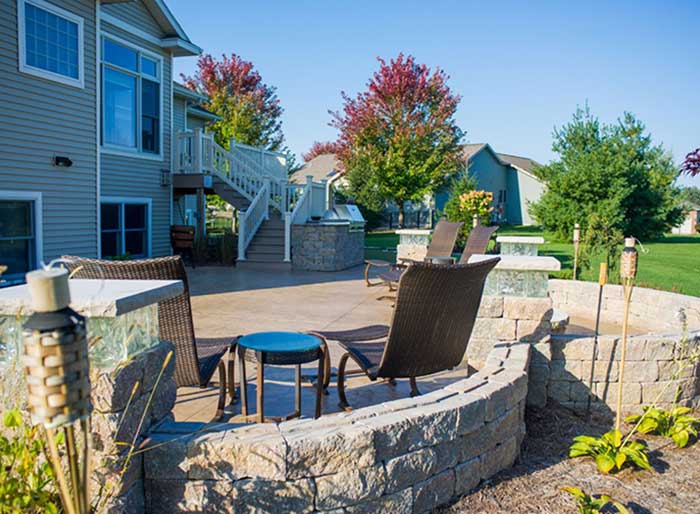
x,y
55,354
628,260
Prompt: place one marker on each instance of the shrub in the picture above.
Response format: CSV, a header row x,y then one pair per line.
x,y
465,201
26,478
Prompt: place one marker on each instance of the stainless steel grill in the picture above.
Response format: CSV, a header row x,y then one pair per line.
x,y
345,213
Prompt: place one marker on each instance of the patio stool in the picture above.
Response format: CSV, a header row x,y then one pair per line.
x,y
281,349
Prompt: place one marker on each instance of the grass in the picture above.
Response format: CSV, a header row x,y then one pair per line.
x,y
671,263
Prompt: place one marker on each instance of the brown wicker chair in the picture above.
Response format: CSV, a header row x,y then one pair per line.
x,y
477,242
432,322
196,359
440,249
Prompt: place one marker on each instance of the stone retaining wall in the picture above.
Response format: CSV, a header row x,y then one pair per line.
x,y
404,456
113,422
318,247
657,310
566,365
569,369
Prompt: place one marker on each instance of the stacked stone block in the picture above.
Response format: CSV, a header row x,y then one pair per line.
x,y
116,419
404,456
317,247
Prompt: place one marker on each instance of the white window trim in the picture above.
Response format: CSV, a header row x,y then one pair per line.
x,y
148,202
21,43
120,150
31,196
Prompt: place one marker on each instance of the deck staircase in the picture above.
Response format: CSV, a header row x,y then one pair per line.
x,y
254,182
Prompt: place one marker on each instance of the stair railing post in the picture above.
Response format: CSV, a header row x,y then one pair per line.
x,y
310,197
266,185
197,150
287,236
241,235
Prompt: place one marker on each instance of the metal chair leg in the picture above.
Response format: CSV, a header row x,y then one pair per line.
x,y
222,392
342,399
260,387
414,387
232,373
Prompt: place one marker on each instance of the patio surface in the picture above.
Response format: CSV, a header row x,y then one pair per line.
x,y
229,302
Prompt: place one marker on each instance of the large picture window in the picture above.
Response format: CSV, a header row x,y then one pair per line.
x,y
131,105
19,236
125,228
50,42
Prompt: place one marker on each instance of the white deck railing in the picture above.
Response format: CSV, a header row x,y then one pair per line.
x,y
249,221
252,172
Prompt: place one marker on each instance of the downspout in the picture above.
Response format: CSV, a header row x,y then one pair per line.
x,y
98,124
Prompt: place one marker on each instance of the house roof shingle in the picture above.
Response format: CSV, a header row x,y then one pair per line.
x,y
321,167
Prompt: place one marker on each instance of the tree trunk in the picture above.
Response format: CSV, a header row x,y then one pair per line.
x,y
401,215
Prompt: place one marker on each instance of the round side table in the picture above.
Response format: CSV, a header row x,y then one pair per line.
x,y
281,349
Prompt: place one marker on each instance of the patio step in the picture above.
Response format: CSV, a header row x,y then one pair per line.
x,y
266,250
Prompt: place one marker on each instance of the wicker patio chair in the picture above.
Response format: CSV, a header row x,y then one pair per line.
x,y
477,242
440,249
196,359
432,322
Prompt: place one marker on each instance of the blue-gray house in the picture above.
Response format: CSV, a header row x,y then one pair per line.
x,y
508,177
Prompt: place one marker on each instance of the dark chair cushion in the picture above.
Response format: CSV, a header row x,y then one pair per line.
x,y
368,333
209,353
367,355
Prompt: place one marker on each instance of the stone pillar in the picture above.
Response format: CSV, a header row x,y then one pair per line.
x,y
413,244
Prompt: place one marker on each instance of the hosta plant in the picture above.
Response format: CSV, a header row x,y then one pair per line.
x,y
593,505
610,452
676,423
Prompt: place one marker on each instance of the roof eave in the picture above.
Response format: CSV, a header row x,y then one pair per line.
x,y
203,113
180,47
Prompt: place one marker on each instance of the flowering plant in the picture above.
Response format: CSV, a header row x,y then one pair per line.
x,y
476,202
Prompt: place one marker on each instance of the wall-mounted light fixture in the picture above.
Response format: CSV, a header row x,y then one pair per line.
x,y
62,162
165,178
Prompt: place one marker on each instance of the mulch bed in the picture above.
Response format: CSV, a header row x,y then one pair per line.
x,y
534,484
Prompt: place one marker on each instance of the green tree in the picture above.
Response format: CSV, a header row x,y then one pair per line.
x,y
611,175
690,195
250,110
399,139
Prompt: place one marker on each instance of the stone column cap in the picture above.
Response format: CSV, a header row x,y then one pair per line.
x,y
521,262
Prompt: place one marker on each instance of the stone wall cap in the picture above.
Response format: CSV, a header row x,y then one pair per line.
x,y
533,240
414,232
98,298
521,262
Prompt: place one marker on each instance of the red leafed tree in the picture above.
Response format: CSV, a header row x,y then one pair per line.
x,y
399,139
319,148
249,108
691,166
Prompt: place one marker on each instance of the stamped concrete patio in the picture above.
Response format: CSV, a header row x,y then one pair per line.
x,y
229,302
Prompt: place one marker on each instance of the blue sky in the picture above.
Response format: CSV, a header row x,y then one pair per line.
x,y
520,67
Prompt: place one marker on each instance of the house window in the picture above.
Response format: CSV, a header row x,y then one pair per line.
x,y
18,238
50,42
125,228
131,105
502,196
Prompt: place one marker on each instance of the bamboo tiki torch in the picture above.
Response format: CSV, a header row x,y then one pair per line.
x,y
55,359
602,279
475,221
577,238
628,272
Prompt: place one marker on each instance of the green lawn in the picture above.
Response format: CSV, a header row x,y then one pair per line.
x,y
671,263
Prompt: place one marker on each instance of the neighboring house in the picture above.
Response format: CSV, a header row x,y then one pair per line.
x,y
87,128
691,221
325,167
508,177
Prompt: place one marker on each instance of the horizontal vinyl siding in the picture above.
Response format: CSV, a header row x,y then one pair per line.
x,y
39,119
135,177
179,114
136,14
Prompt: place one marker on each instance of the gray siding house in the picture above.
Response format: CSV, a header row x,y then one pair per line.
x,y
87,128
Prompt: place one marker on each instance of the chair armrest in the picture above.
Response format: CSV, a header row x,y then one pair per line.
x,y
376,262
